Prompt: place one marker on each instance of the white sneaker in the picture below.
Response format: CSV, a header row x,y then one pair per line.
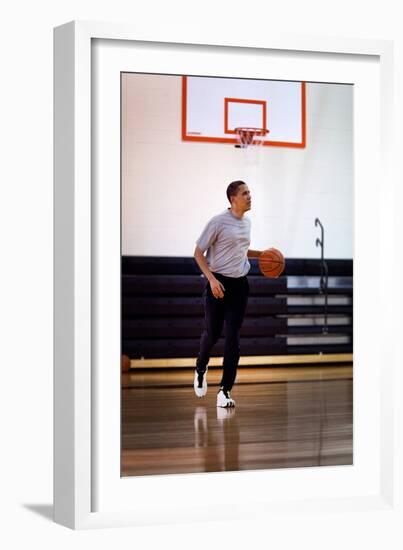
x,y
224,399
200,383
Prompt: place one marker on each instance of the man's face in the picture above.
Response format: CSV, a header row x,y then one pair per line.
x,y
243,199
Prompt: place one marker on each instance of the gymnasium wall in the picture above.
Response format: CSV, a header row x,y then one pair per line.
x,y
171,188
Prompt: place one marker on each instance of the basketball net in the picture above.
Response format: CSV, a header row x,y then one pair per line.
x,y
251,140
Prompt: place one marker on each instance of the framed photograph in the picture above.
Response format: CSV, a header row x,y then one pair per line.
x,y
149,133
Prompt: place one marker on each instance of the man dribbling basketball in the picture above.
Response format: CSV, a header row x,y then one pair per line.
x,y
226,239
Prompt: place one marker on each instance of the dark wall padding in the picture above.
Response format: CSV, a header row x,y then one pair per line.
x,y
162,312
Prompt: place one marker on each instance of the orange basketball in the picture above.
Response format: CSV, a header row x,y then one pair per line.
x,y
125,363
271,263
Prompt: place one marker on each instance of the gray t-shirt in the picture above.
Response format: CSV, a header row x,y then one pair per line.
x,y
226,239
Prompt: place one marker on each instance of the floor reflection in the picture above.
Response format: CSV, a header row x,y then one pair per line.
x,y
217,438
285,424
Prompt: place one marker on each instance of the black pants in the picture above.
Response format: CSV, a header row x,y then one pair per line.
x,y
230,309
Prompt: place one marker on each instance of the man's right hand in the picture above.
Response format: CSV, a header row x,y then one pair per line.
x,y
217,288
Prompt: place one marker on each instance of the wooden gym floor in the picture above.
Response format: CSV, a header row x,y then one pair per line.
x,y
284,418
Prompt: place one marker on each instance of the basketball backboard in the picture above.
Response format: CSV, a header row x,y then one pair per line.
x,y
213,107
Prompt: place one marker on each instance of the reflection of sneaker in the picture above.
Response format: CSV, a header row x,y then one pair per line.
x,y
224,399
224,413
200,383
200,427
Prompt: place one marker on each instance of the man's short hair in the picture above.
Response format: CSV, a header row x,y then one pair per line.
x,y
232,188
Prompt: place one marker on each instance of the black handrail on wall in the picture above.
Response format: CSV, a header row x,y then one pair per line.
x,y
324,271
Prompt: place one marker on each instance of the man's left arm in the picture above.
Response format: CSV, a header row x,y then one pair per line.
x,y
253,253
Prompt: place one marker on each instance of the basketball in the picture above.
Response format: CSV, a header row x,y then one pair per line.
x,y
271,263
125,363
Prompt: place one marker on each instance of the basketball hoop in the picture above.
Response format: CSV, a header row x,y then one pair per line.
x,y
250,136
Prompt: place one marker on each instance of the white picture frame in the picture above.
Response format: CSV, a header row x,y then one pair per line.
x,y
87,491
